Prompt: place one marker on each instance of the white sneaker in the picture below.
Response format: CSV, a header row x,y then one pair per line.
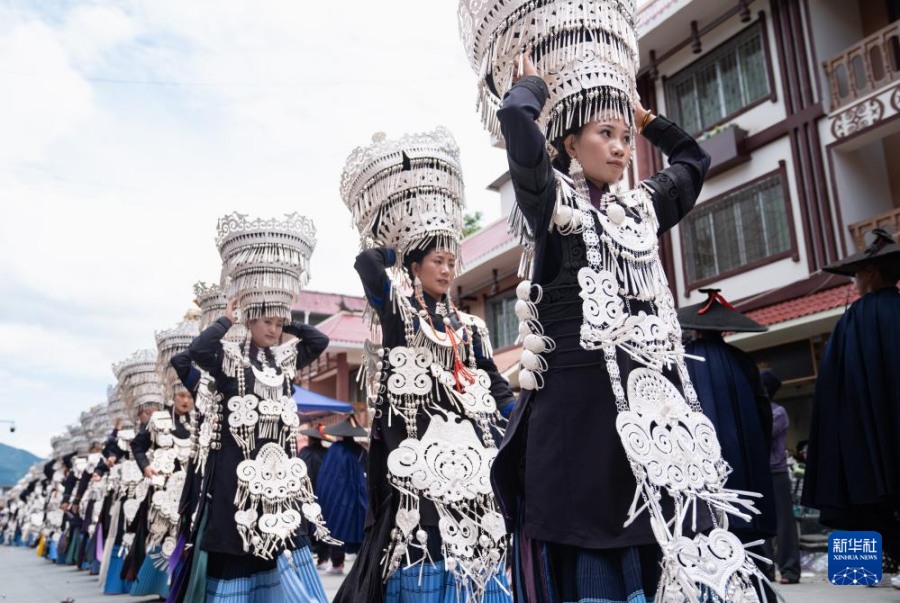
x,y
895,581
336,569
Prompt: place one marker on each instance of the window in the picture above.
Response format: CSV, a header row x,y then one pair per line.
x,y
744,227
721,84
502,321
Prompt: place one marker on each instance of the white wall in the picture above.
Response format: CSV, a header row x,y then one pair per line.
x,y
836,24
862,185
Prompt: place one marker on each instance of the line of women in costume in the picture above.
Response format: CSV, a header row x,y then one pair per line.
x,y
471,496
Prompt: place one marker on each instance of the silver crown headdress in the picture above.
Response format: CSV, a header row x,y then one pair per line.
x,y
170,342
115,404
98,423
405,192
212,302
139,383
586,52
265,262
76,440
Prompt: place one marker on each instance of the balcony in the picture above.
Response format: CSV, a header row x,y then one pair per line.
x,y
865,67
890,221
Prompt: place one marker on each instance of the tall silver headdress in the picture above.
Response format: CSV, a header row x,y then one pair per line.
x,y
212,302
405,192
586,52
98,425
265,262
115,405
170,342
139,383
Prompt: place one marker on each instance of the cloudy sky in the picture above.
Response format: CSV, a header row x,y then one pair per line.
x,y
128,127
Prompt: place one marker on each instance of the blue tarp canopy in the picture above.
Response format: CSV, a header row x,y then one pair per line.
x,y
312,403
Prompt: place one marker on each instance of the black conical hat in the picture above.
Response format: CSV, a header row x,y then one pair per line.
x,y
882,248
346,429
716,314
315,432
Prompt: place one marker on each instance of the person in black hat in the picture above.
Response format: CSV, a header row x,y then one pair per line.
x,y
313,454
786,550
853,466
729,390
341,489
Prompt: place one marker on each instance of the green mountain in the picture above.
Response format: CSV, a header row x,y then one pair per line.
x,y
14,463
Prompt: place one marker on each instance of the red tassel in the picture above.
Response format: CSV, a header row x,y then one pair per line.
x,y
714,297
461,374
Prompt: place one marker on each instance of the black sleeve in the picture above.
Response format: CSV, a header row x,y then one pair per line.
x,y
206,349
68,486
312,342
185,369
677,187
102,468
500,390
370,265
139,447
529,164
83,482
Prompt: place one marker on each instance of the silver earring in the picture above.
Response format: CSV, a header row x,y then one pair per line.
x,y
576,171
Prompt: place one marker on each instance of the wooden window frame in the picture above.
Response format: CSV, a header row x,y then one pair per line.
x,y
790,252
674,111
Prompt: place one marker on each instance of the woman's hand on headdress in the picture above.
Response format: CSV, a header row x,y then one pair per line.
x,y
642,117
524,67
229,308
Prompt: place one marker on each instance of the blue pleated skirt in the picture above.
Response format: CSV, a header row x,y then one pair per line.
x,y
553,573
51,550
150,579
114,583
431,583
291,578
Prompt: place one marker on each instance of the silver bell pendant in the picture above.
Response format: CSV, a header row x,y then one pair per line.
x,y
616,213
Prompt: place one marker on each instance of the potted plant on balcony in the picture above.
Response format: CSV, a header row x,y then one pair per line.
x,y
725,145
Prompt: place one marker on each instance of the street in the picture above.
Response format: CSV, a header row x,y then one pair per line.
x,y
24,578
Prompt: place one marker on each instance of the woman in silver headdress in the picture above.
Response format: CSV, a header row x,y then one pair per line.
x,y
250,532
433,532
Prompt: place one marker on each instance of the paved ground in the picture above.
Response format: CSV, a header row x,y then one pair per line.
x,y
24,578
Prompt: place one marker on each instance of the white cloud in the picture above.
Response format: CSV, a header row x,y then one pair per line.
x,y
130,127
91,30
43,98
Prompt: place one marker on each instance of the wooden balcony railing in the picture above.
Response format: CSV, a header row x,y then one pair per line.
x,y
865,67
890,221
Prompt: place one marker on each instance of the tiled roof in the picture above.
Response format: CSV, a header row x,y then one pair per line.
x,y
487,240
345,328
791,309
317,302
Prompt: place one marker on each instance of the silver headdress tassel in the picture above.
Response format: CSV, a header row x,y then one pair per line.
x,y
212,302
586,52
139,383
405,192
170,342
265,262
